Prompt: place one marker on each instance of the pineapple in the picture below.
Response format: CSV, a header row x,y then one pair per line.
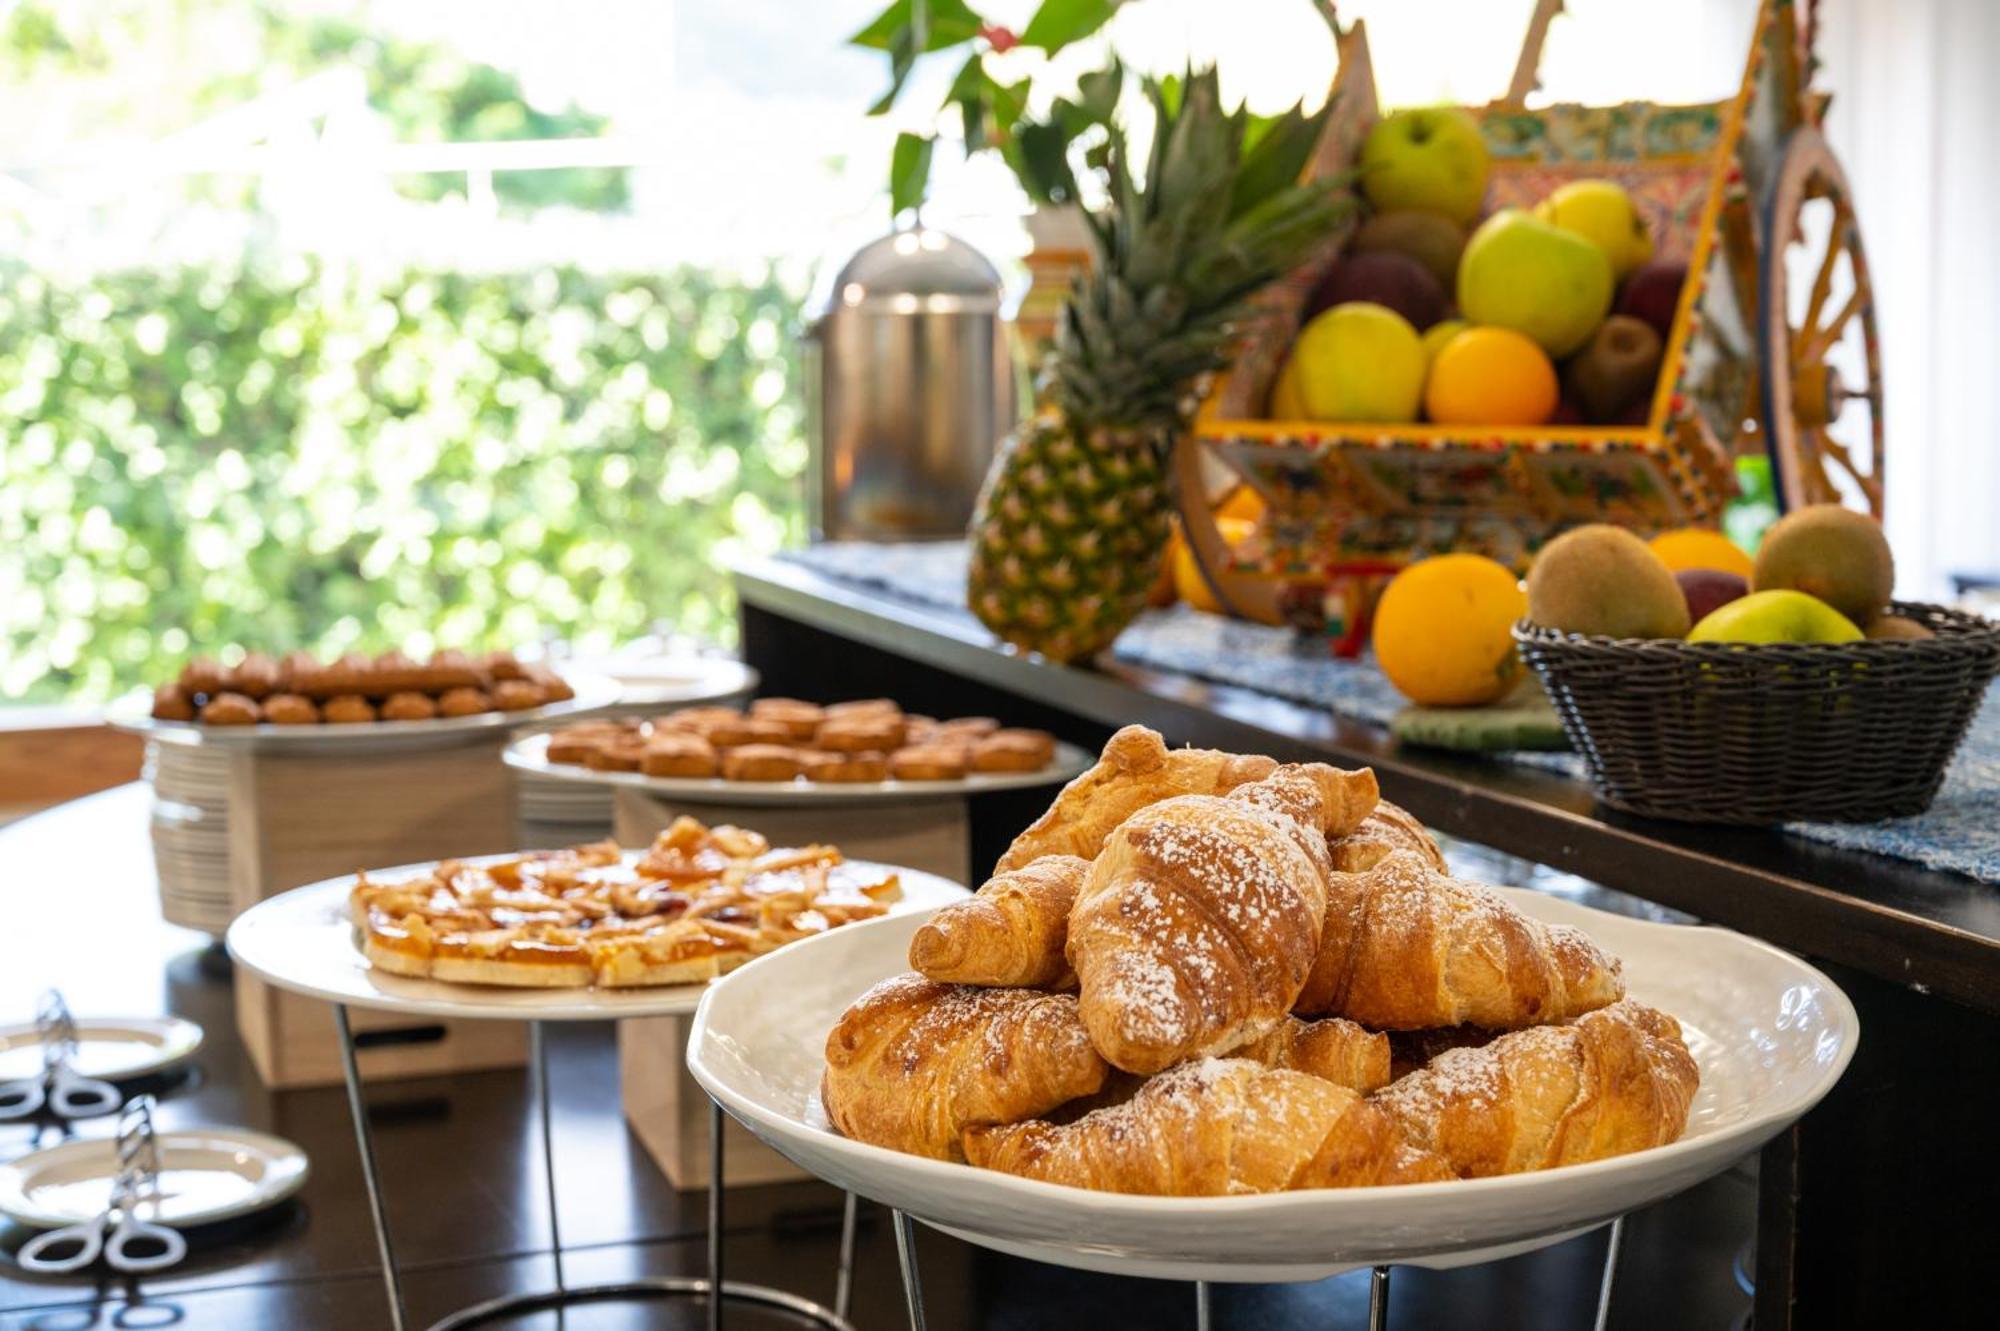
x,y
1073,519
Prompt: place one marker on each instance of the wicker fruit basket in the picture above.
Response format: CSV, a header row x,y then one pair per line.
x,y
1761,734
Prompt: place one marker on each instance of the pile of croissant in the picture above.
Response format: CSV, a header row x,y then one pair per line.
x,y
1201,973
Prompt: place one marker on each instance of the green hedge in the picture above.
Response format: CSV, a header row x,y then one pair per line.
x,y
302,456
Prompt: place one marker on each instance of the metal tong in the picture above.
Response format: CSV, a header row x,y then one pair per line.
x,y
117,1234
61,1088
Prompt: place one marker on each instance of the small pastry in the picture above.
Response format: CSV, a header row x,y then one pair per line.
x,y
350,674
917,729
761,762
347,709
967,727
291,666
230,709
171,703
464,702
613,755
409,706
553,686
255,677
800,719
679,755
847,768
290,709
516,695
201,676
738,731
860,733
927,762
1013,751
696,720
572,744
503,665
863,707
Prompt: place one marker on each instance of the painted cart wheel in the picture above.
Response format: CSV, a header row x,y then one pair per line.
x,y
1822,362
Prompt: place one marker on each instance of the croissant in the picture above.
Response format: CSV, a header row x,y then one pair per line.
x,y
1211,1128
1406,947
1388,829
1011,932
1136,769
1201,918
1615,1080
1335,1050
912,1063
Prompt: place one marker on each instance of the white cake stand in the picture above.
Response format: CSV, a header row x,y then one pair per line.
x,y
303,941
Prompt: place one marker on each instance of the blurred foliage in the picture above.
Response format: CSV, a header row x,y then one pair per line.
x,y
295,456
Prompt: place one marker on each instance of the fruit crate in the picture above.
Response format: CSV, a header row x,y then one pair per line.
x,y
1759,734
1744,192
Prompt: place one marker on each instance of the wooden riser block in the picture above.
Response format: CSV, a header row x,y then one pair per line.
x,y
933,835
668,1111
297,819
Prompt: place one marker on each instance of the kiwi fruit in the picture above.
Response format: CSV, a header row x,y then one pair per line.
x,y
1601,579
1896,628
1432,240
1831,552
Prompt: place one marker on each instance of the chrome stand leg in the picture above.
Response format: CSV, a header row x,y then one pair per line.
x,y
1378,1299
906,1257
843,1281
715,1293
1201,1305
1610,1274
365,1141
538,1055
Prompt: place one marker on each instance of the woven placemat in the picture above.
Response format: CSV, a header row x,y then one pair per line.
x,y
1960,831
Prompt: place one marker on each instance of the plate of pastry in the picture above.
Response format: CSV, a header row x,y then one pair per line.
x,y
582,933
1220,1018
781,751
358,704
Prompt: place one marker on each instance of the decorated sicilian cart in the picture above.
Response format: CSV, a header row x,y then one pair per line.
x,y
1769,372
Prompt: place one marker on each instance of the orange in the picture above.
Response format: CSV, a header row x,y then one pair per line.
x,y
1444,630
1491,376
1193,588
1698,547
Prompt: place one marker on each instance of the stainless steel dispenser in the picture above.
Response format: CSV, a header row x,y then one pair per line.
x,y
910,383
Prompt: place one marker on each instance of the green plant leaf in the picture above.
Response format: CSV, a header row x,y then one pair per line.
x,y
909,172
1059,22
947,23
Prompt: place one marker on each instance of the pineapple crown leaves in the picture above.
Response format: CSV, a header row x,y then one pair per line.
x,y
1219,214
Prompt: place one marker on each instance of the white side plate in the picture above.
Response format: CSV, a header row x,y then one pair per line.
x,y
108,1048
1771,1034
206,1174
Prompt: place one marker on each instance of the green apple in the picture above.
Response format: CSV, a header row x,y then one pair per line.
x,y
1780,616
1437,335
1602,213
1359,362
1432,159
1521,273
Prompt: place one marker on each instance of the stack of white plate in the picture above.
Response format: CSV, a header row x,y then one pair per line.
x,y
561,813
191,832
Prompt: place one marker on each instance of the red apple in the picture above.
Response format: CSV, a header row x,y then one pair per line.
x,y
1707,589
1384,277
1652,293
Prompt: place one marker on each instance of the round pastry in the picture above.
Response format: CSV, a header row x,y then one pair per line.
x,y
861,733
863,707
352,673
696,720
201,675
738,731
800,719
1013,751
347,709
847,768
516,695
290,709
679,755
255,676
967,727
928,762
292,666
572,744
503,665
620,754
554,687
409,705
464,702
761,762
230,709
171,703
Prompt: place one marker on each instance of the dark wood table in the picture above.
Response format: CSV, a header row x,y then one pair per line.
x,y
78,908
1866,1213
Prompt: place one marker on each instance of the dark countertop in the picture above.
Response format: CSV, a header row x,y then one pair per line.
x,y
79,907
1936,932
